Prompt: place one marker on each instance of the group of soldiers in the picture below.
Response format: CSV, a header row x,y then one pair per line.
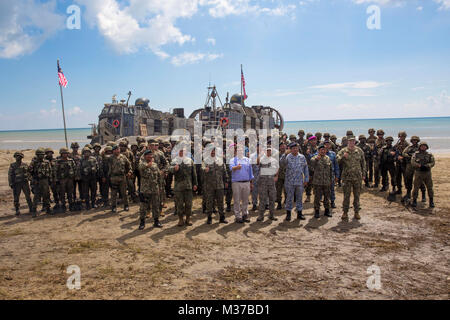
x,y
146,170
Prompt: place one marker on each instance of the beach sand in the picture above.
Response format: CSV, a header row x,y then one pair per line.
x,y
312,259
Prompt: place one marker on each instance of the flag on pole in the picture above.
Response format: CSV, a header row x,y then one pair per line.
x,y
243,83
61,77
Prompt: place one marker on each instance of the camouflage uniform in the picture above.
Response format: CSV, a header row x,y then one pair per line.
x,y
162,164
310,151
65,173
281,178
268,169
41,174
387,164
215,177
368,153
150,177
89,171
106,180
423,161
53,186
371,139
185,179
379,144
400,164
18,180
323,178
409,170
118,169
353,169
77,182
97,155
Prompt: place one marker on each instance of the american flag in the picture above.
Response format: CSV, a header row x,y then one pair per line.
x,y
243,83
61,77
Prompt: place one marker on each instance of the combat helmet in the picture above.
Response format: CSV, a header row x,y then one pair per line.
x,y
97,145
86,149
349,133
424,143
40,151
18,154
63,150
333,136
415,138
301,132
108,148
74,145
362,137
292,137
123,143
88,146
380,131
48,150
402,134
389,138
371,130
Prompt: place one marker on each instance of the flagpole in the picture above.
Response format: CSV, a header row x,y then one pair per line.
x,y
242,98
62,105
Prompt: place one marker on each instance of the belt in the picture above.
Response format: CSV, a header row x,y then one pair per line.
x,y
243,181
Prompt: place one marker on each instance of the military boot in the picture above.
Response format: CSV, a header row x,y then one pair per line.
x,y
279,207
308,198
188,220
272,217
17,211
424,198
94,206
316,214
431,202
209,219
88,206
328,213
254,208
228,207
260,217
407,196
126,208
399,190
367,184
357,216
383,189
157,224
288,215
113,209
333,205
245,218
180,221
142,224
49,210
222,219
344,216
414,203
33,212
300,215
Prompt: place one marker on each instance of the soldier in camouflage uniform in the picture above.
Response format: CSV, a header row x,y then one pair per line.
x,y
379,144
301,137
89,171
327,138
388,156
371,139
131,187
75,156
97,147
106,181
65,173
409,170
268,176
119,168
310,151
18,180
400,165
353,168
367,156
54,187
341,146
423,161
169,177
42,175
229,189
318,136
322,180
163,165
150,177
216,177
185,176
333,139
281,175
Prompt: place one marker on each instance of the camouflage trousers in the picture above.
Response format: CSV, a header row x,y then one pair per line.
x,y
376,171
400,174
42,190
183,202
55,191
280,188
254,192
309,186
409,178
291,192
320,191
131,187
66,187
267,193
104,190
229,194
74,191
89,190
385,169
350,186
149,201
118,185
17,189
420,178
211,197
369,170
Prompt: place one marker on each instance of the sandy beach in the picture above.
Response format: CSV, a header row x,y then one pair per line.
x,y
311,259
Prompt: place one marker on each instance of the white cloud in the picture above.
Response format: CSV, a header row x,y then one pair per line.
x,y
193,57
75,111
222,8
53,101
395,3
444,4
25,25
211,41
419,8
351,85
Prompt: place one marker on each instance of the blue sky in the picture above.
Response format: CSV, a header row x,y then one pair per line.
x,y
311,59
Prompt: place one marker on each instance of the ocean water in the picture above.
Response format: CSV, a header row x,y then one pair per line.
x,y
436,131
